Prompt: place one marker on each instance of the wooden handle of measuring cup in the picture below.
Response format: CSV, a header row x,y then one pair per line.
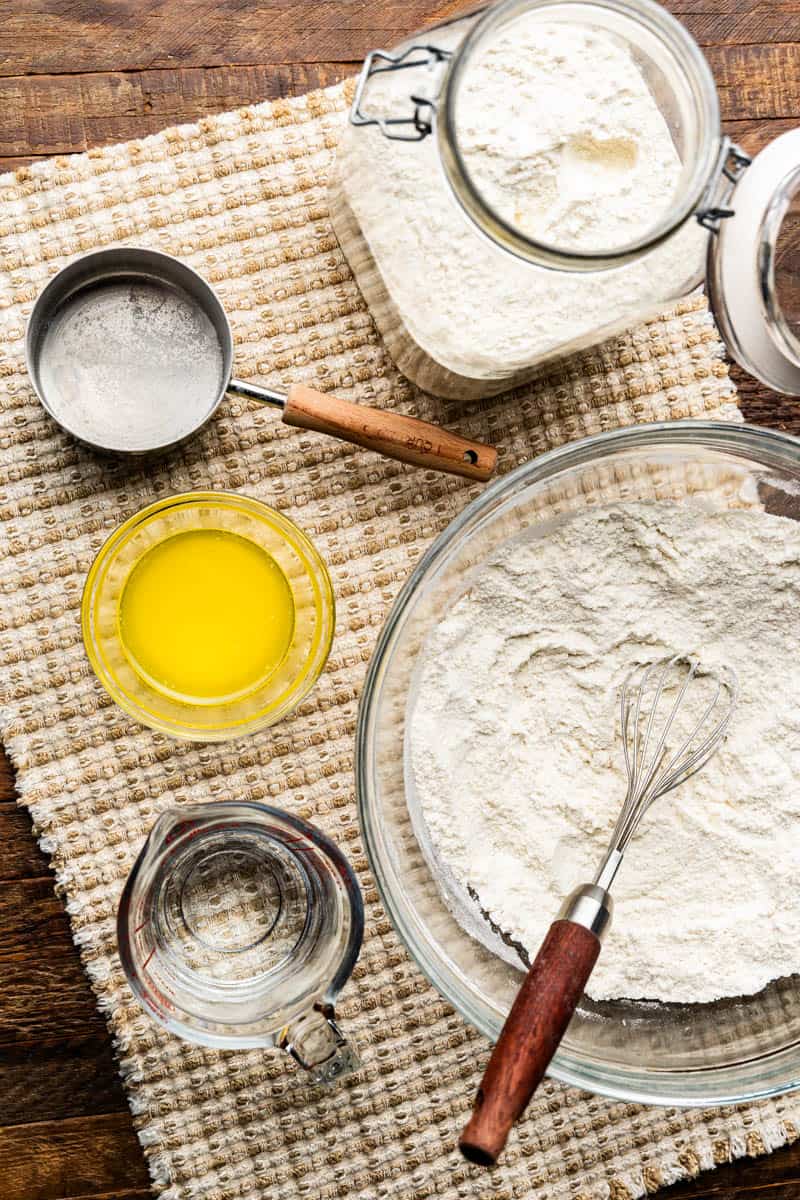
x,y
530,1037
389,433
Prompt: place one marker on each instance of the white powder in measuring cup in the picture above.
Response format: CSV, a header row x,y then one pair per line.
x,y
517,763
561,126
130,364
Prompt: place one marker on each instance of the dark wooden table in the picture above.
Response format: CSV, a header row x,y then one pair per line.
x,y
79,73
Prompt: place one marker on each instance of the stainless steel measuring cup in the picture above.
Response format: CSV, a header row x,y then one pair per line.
x,y
238,927
131,352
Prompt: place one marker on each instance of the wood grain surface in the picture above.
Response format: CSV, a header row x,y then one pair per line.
x,y
81,73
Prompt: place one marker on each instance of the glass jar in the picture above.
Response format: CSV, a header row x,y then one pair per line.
x,y
536,175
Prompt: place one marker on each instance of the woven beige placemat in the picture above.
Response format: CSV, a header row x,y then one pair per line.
x,y
242,197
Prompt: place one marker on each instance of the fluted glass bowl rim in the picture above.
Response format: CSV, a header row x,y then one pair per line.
x,y
233,728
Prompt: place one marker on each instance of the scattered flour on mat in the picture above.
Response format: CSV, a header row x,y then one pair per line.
x,y
515,751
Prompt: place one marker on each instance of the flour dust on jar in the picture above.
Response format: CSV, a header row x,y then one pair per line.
x,y
524,181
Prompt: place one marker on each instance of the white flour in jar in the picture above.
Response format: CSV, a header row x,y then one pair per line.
x,y
517,765
562,135
576,137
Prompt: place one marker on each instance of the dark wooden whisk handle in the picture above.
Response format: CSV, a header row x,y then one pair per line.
x,y
530,1037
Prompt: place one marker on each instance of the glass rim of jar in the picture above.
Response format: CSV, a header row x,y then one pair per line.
x,y
688,58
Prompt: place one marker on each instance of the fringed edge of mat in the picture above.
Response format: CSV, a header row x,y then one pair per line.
x,y
691,1161
216,129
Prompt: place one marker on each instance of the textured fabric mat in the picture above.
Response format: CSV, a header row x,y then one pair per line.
x,y
242,197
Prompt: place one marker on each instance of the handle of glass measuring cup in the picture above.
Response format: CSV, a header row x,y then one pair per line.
x,y
406,439
318,1045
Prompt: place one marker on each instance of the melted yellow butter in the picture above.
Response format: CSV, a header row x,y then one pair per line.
x,y
206,614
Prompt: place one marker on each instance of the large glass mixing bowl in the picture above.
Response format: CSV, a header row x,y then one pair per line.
x,y
725,1052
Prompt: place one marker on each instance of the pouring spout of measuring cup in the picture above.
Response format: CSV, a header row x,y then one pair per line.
x,y
317,1044
406,439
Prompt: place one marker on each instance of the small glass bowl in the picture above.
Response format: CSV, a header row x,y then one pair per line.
x,y
729,1051
280,692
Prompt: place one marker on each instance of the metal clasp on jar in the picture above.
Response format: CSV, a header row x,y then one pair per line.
x,y
731,164
378,62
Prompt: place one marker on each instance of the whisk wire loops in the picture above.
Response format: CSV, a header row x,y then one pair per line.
x,y
653,768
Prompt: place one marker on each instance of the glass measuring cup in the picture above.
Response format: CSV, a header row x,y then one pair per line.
x,y
238,927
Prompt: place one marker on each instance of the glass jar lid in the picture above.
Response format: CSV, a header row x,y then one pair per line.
x,y
754,266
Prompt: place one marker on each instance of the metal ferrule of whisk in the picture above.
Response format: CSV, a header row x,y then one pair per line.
x,y
648,716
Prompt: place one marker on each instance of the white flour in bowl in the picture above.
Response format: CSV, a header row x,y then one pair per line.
x,y
517,764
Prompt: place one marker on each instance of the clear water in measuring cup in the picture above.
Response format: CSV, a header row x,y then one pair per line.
x,y
233,907
238,926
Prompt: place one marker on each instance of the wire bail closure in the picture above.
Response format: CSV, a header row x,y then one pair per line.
x,y
421,121
731,165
